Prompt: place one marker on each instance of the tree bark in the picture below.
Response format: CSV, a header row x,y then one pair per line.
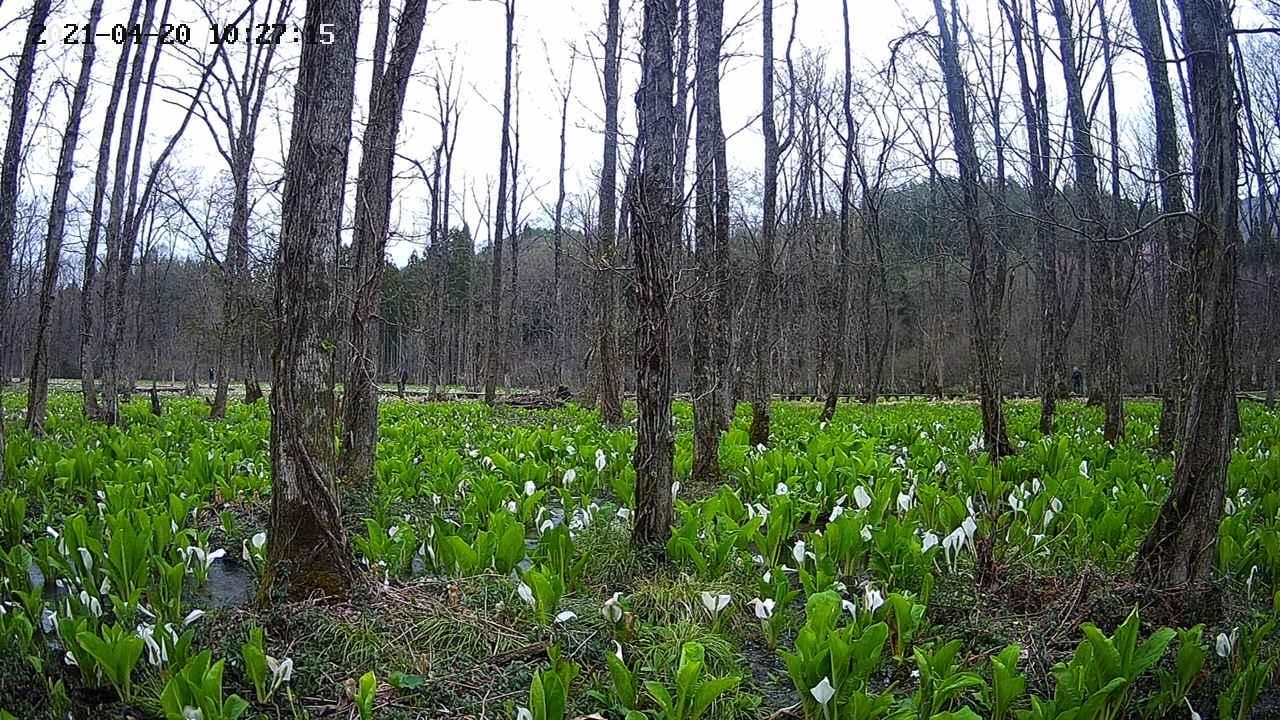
x,y
707,385
9,181
557,291
87,384
609,385
115,278
494,362
981,303
38,384
839,347
654,244
307,550
1047,268
372,218
766,278
1180,549
1103,310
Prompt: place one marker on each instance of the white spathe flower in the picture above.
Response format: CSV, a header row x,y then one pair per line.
x,y
91,603
617,649
1084,468
1224,645
281,671
192,616
781,489
1194,715
512,507
861,498
866,533
624,514
156,653
760,448
611,611
872,598
904,501
798,552
976,444
1016,502
530,487
849,607
48,620
569,476
570,450
259,540
86,557
939,468
823,692
763,608
525,593
192,713
836,512
566,616
715,604
600,460
930,540
522,713
675,489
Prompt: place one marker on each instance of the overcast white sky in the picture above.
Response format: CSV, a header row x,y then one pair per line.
x,y
470,33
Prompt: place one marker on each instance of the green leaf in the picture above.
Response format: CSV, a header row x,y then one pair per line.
x,y
404,681
708,693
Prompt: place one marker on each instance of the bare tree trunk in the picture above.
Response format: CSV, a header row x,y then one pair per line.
x,y
557,292
494,364
91,408
653,243
1103,310
1263,223
707,385
307,550
766,278
115,278
839,349
1180,549
9,182
372,217
1047,268
38,385
609,384
982,307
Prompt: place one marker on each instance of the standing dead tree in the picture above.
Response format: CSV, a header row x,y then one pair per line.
x,y
307,550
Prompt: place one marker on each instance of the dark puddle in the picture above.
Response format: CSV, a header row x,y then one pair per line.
x,y
229,585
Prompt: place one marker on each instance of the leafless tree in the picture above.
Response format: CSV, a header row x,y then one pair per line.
x,y
372,219
1180,548
494,362
307,550
9,176
653,239
38,386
